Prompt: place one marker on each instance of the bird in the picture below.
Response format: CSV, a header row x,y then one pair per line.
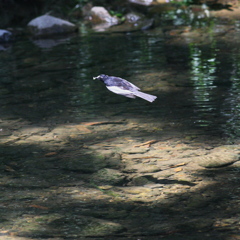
x,y
123,87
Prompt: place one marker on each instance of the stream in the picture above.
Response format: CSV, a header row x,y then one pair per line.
x,y
80,162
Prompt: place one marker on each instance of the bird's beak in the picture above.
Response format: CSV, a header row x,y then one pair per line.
x,y
94,78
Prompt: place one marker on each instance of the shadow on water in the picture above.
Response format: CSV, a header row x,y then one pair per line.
x,y
47,168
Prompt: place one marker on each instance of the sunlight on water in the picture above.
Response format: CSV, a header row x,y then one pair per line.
x,y
231,108
203,70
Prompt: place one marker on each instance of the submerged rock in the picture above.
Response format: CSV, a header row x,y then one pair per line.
x,y
107,176
48,25
217,159
134,150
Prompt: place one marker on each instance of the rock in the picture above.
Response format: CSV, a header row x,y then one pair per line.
x,y
113,160
101,15
217,159
136,190
101,19
86,163
48,25
134,150
140,181
107,176
5,36
133,22
142,168
133,17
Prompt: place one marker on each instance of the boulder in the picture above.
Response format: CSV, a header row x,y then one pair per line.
x,y
101,19
101,15
49,25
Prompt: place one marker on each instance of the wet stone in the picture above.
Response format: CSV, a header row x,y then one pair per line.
x,y
136,190
85,163
29,130
140,181
142,168
107,176
112,159
218,159
134,150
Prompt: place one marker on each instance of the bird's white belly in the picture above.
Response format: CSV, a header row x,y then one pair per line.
x,y
120,91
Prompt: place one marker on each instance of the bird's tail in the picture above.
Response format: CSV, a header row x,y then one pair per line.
x,y
145,96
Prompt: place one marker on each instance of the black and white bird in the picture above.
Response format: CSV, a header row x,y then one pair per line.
x,y
123,87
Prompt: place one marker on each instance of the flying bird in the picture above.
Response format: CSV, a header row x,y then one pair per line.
x,y
123,87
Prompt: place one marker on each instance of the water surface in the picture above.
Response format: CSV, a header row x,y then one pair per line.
x,y
64,136
197,84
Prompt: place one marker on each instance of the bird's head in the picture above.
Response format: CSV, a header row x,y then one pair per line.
x,y
101,77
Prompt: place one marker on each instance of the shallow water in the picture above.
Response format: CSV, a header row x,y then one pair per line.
x,y
65,136
197,84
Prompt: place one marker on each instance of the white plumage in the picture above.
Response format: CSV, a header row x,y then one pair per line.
x,y
123,87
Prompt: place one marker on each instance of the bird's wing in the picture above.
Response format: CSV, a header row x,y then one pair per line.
x,y
134,86
121,83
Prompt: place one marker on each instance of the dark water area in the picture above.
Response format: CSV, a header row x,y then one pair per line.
x,y
197,85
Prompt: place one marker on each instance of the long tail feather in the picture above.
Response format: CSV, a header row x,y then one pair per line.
x,y
145,96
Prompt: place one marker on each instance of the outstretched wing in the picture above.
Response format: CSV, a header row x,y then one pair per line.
x,y
121,83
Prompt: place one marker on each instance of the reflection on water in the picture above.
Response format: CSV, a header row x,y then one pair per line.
x,y
203,74
39,84
231,108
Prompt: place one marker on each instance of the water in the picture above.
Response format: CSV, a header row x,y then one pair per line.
x,y
49,157
197,84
